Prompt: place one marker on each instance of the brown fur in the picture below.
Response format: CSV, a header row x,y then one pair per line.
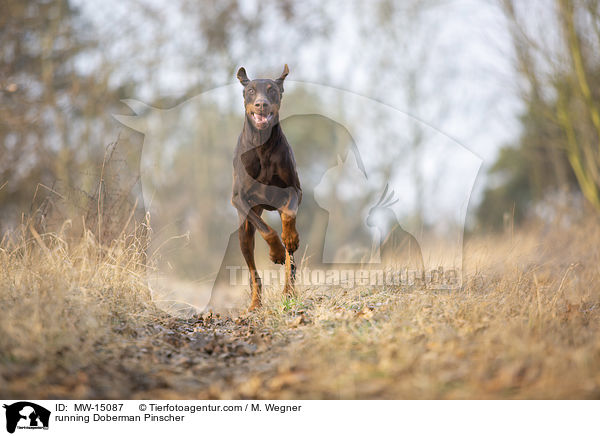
x,y
265,177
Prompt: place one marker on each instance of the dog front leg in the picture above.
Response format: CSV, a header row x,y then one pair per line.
x,y
276,248
290,238
288,212
246,235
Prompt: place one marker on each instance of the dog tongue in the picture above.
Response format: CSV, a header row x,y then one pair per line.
x,y
260,118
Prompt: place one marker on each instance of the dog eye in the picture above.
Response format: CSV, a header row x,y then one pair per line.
x,y
251,91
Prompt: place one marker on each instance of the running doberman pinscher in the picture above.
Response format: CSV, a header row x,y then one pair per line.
x,y
265,178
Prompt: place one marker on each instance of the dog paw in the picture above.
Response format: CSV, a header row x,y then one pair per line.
x,y
289,290
254,305
277,252
291,241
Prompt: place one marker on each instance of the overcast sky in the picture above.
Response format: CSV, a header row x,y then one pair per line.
x,y
467,88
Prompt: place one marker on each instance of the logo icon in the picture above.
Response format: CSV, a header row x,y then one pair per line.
x,y
26,415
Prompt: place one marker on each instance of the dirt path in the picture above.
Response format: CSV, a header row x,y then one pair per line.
x,y
206,356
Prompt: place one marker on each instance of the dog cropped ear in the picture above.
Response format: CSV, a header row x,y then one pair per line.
x,y
242,76
279,81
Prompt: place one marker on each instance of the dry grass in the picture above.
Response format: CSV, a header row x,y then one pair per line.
x,y
526,325
61,301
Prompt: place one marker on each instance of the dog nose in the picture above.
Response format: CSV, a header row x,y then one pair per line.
x,y
261,103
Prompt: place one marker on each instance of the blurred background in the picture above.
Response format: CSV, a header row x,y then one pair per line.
x,y
482,115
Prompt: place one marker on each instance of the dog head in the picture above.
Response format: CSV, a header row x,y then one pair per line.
x,y
262,99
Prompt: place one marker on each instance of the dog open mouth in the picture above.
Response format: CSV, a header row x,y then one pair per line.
x,y
262,121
